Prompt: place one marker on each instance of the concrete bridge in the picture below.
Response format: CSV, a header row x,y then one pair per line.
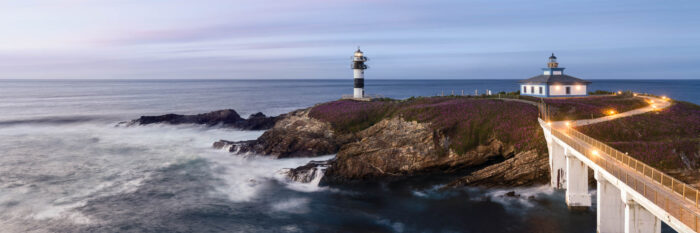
x,y
631,196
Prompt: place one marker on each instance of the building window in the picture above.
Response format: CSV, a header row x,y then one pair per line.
x,y
540,90
532,89
524,89
568,90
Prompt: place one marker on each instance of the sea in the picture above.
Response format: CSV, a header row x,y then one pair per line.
x,y
65,165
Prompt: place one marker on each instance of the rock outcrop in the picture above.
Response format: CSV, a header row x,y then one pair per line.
x,y
310,172
392,147
294,135
523,169
228,118
395,147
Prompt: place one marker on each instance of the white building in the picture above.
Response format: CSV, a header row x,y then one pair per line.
x,y
554,83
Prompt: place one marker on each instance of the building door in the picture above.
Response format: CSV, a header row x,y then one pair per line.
x,y
568,90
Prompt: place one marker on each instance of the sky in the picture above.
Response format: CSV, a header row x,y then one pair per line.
x,y
315,39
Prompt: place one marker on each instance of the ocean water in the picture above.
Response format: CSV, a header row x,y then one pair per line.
x,y
65,167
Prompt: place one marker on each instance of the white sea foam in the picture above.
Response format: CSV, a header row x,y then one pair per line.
x,y
292,205
523,197
396,226
246,176
312,186
432,192
291,228
50,170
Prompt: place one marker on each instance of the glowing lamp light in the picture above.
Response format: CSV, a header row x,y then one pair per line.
x,y
664,97
568,124
611,112
558,87
549,123
595,152
578,87
619,92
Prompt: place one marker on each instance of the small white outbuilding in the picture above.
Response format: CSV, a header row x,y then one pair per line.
x,y
554,83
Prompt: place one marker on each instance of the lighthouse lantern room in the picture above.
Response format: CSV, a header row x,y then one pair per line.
x,y
358,69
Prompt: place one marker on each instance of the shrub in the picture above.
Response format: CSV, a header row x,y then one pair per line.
x,y
600,92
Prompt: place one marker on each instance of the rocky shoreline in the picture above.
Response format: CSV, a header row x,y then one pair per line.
x,y
226,118
392,148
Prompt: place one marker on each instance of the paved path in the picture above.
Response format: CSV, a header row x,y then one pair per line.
x,y
656,104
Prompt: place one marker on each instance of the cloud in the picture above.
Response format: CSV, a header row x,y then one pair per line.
x,y
313,39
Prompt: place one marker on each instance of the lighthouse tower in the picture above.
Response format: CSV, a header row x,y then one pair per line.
x,y
358,69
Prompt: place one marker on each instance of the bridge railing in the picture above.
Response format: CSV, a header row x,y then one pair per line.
x,y
659,180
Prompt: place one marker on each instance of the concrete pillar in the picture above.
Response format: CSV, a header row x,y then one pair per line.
x,y
638,219
557,166
611,209
577,196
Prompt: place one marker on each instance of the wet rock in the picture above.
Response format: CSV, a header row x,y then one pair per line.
x,y
240,147
311,171
227,117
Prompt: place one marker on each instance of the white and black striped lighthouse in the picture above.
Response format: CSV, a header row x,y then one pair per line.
x,y
358,69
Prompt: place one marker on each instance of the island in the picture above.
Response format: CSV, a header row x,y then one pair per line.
x,y
488,140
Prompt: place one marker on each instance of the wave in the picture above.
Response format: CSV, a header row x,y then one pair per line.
x,y
50,171
58,120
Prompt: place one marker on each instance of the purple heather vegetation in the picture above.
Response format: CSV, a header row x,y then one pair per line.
x,y
667,139
591,107
468,122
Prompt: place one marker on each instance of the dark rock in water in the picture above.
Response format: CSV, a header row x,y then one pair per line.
x,y
512,194
259,121
309,172
240,147
227,117
293,135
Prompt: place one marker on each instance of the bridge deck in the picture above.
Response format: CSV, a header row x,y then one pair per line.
x,y
673,196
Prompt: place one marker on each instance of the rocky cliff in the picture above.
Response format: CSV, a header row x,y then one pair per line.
x,y
395,147
294,135
523,169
